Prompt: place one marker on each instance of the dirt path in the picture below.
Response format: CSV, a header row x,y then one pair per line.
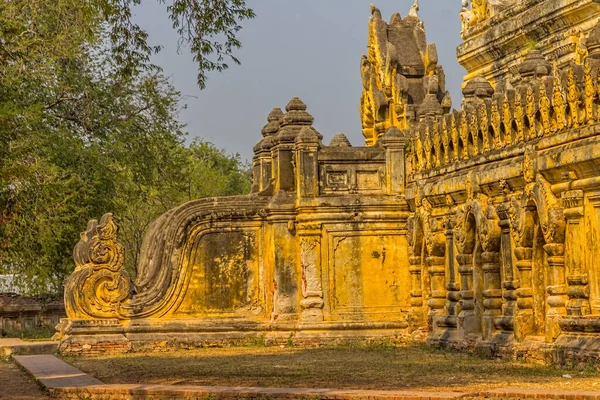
x,y
17,385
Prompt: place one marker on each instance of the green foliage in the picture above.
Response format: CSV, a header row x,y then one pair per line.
x,y
88,126
37,333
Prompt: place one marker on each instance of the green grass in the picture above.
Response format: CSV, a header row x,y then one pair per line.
x,y
377,366
37,333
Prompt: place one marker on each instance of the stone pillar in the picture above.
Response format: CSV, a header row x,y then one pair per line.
x,y
282,152
416,289
394,143
557,290
261,166
437,272
467,319
262,160
307,166
523,323
310,265
436,260
492,292
509,285
577,276
452,286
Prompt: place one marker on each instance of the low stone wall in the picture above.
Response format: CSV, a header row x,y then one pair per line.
x,y
19,313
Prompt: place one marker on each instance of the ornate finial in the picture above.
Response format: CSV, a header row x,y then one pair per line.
x,y
396,19
375,12
340,140
414,10
293,121
274,122
308,134
478,88
534,65
447,102
296,113
295,105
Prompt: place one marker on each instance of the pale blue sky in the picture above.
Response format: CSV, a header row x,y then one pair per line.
x,y
305,48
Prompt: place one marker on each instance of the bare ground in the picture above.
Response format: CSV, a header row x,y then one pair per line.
x,y
376,367
17,385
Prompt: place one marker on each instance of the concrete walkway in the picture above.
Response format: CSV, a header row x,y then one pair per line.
x,y
67,382
54,373
9,346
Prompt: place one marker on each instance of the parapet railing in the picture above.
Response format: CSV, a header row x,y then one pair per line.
x,y
539,108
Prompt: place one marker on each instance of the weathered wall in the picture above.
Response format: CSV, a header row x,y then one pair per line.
x,y
19,313
319,247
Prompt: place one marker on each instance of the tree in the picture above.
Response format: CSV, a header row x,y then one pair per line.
x,y
88,126
200,25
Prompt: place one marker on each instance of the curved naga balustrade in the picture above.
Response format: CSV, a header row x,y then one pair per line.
x,y
540,108
101,288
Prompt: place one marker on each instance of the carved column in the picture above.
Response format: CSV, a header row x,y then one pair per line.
x,y
436,244
310,265
416,289
415,261
577,276
524,316
282,152
492,293
509,285
452,286
394,143
467,319
437,270
557,290
307,167
262,160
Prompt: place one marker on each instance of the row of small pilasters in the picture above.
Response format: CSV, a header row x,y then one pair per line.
x,y
534,278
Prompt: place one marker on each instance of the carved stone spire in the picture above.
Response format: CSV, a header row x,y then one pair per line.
x,y
274,120
414,10
293,121
340,140
399,73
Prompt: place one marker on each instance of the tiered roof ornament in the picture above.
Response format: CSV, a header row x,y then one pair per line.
x,y
402,80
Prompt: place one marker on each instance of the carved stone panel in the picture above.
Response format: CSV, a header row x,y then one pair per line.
x,y
366,276
224,277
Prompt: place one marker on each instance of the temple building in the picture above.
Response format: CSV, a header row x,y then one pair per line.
x,y
475,228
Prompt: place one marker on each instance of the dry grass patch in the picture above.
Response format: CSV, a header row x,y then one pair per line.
x,y
376,367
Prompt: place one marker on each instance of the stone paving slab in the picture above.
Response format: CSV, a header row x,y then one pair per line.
x,y
9,346
54,373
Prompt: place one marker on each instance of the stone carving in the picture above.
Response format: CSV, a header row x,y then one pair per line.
x,y
311,278
100,285
477,225
390,97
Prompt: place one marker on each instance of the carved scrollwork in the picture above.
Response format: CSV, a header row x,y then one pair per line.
x,y
477,218
99,285
311,280
515,216
552,219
